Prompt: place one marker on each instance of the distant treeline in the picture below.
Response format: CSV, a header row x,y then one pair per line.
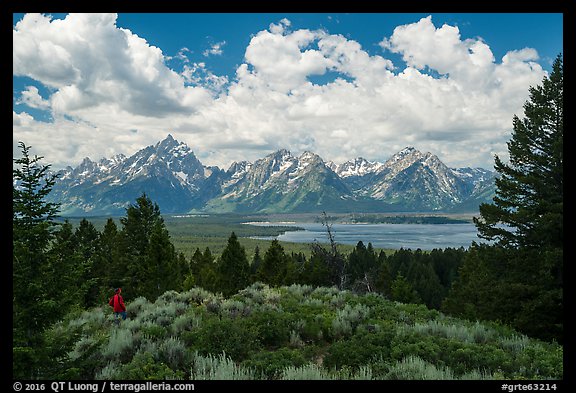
x,y
411,219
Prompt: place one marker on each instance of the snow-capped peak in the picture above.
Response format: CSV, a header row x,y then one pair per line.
x,y
357,167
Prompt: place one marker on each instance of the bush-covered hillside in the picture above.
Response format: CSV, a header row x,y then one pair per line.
x,y
290,332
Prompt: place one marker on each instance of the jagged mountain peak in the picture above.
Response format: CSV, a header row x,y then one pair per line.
x,y
170,146
357,167
238,166
408,153
310,157
280,154
170,173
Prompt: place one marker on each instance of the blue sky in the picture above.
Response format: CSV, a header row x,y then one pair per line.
x,y
239,86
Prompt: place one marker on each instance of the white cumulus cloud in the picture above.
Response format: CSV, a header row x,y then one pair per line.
x,y
299,89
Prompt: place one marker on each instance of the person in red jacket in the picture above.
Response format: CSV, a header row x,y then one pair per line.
x,y
117,303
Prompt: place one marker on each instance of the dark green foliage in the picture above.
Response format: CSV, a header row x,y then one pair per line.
x,y
236,337
233,269
35,275
361,348
107,258
519,280
87,241
147,263
145,367
32,216
315,271
273,327
202,271
328,265
274,268
67,263
362,268
402,291
529,191
255,265
269,364
509,286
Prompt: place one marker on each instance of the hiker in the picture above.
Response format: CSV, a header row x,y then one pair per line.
x,y
117,302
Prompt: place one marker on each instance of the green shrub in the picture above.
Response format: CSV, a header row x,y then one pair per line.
x,y
286,332
217,367
85,346
407,343
515,343
360,349
362,373
120,344
111,371
137,306
235,337
347,319
269,364
295,340
541,361
307,372
172,352
186,321
153,330
144,367
272,327
414,368
316,327
234,308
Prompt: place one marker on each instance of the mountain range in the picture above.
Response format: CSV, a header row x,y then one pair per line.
x,y
172,176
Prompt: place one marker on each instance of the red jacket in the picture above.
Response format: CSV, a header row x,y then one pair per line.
x,y
117,302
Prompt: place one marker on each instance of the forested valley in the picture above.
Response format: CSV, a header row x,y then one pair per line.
x,y
486,312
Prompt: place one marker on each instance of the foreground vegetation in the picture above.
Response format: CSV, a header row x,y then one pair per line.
x,y
290,332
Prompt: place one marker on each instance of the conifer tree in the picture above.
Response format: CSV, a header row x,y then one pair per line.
x,y
361,267
256,262
161,263
145,249
87,239
274,267
107,262
519,279
233,270
529,191
65,273
32,232
403,291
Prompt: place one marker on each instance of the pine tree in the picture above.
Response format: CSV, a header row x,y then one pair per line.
x,y
361,267
519,279
529,191
161,264
32,216
33,309
87,239
256,262
107,263
233,270
402,291
145,250
274,267
65,274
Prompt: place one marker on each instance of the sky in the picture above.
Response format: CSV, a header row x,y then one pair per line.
x,y
240,86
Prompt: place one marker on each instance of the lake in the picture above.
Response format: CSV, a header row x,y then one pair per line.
x,y
413,236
